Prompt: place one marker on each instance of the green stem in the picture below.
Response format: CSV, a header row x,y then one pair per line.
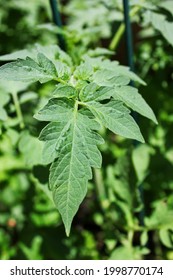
x,y
130,237
100,188
18,110
60,80
117,37
76,107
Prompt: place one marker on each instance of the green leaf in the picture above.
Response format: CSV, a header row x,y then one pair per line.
x,y
161,217
109,78
64,91
110,70
167,5
28,96
161,24
141,160
119,91
63,70
88,92
53,134
46,64
56,110
3,114
127,252
166,236
122,253
71,142
28,145
116,118
83,71
13,86
28,70
32,252
18,54
144,238
4,99
131,97
52,52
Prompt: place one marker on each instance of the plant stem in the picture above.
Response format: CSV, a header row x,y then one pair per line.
x,y
18,110
60,81
130,237
100,188
117,37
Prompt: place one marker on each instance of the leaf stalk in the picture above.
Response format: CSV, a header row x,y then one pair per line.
x,y
18,110
119,33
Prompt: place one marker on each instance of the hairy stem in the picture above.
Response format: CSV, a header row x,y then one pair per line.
x,y
18,110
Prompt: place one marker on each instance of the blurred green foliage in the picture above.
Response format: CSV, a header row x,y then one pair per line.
x,y
128,212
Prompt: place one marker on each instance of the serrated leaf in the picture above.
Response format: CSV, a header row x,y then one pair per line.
x,y
96,93
26,70
17,54
131,97
116,118
71,142
56,110
119,91
52,52
108,76
46,64
64,91
52,134
88,92
83,71
63,70
93,91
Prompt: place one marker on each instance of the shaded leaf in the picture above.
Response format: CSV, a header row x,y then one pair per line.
x,y
31,149
166,237
161,24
